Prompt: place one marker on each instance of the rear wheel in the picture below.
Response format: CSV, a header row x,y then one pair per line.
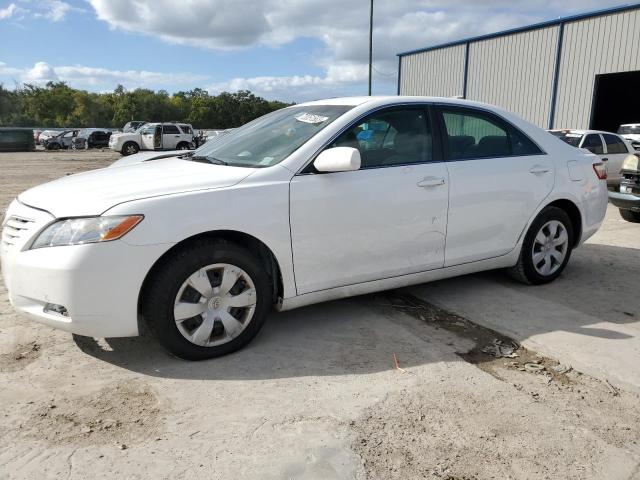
x,y
130,148
208,300
630,215
546,248
183,146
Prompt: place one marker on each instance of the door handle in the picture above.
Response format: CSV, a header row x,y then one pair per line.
x,y
431,182
604,159
539,169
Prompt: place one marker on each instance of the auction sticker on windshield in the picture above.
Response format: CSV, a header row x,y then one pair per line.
x,y
311,118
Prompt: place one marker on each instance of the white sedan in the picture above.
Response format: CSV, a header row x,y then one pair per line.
x,y
313,202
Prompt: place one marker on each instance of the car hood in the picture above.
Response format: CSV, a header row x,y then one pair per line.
x,y
145,156
127,135
94,192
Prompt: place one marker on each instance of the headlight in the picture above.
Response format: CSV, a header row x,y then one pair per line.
x,y
630,163
78,231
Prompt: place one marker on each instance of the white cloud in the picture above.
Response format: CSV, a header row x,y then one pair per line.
x,y
53,10
341,27
9,11
80,76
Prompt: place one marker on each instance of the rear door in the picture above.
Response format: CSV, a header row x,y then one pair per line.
x,y
170,136
498,177
616,151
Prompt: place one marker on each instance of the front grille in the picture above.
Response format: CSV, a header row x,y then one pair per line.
x,y
15,229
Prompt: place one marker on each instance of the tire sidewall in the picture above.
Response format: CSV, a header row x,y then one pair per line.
x,y
158,308
546,215
128,144
630,215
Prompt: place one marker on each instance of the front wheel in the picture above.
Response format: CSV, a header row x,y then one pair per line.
x,y
546,248
207,300
130,148
630,215
184,146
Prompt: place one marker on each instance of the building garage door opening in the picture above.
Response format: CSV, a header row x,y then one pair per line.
x,y
616,100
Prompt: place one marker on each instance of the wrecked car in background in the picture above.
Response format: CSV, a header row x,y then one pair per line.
x,y
91,138
627,199
63,140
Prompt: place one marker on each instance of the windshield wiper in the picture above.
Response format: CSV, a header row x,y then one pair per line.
x,y
206,159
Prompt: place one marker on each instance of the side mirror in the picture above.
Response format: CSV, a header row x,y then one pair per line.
x,y
338,159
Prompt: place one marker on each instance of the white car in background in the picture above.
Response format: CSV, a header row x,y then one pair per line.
x,y
48,134
354,195
612,149
153,136
631,132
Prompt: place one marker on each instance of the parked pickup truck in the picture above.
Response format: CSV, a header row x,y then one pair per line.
x,y
154,136
628,198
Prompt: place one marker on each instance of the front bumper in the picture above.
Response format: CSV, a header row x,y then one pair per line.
x,y
625,201
98,284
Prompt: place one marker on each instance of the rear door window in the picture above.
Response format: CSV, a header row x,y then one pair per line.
x,y
472,134
170,130
614,144
593,143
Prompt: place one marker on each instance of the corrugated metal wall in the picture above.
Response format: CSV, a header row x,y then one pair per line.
x,y
515,72
605,44
437,73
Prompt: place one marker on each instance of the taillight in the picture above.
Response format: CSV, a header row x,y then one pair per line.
x,y
601,170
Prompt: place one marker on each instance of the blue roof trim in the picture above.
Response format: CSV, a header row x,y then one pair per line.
x,y
527,28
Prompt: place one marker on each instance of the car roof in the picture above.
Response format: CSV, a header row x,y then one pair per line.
x,y
581,132
381,101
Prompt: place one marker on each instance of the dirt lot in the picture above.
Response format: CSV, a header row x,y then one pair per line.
x,y
386,386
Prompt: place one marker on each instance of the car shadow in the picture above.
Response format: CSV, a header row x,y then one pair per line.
x,y
343,337
361,335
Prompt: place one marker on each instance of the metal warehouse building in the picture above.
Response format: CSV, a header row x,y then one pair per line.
x,y
575,72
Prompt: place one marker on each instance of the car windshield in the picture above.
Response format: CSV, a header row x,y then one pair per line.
x,y
572,139
272,138
628,129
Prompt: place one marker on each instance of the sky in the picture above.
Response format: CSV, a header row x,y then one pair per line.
x,y
289,50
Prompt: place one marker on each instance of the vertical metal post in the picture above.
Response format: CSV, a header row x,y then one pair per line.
x,y
556,75
399,72
466,71
370,44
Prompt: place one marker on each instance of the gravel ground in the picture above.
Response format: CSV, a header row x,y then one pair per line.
x,y
384,386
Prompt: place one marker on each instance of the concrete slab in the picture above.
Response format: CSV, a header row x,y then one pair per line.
x,y
589,317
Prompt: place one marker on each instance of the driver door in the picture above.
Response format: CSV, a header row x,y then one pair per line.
x,y
387,219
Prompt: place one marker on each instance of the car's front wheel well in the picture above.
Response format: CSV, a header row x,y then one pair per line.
x,y
262,252
573,211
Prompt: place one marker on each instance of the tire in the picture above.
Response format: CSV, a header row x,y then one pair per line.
x,y
220,328
130,148
183,146
630,215
538,264
53,146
